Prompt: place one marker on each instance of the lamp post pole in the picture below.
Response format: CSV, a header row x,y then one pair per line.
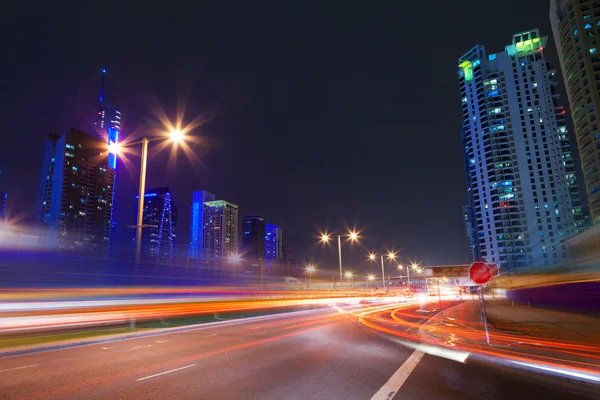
x,y
382,273
340,255
140,213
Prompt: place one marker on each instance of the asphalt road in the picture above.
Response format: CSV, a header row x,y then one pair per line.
x,y
319,354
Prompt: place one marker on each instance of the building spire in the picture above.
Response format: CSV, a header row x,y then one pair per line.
x,y
102,86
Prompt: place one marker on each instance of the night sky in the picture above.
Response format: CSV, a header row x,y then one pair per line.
x,y
319,114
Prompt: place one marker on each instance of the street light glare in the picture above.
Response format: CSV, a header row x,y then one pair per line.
x,y
348,274
400,267
325,238
114,148
391,255
414,266
353,235
372,256
234,258
177,136
371,277
310,269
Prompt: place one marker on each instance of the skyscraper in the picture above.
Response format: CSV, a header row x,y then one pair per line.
x,y
107,122
273,246
199,197
219,232
76,192
253,240
576,30
3,200
521,198
160,220
470,234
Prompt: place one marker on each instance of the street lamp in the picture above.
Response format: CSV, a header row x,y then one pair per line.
x,y
310,269
175,136
350,275
390,256
352,235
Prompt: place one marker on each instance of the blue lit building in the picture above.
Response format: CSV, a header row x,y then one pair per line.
x,y
253,240
523,199
76,193
273,246
160,230
199,197
3,200
107,122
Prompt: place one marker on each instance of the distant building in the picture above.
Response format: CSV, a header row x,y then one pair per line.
x,y
470,234
219,232
273,246
76,192
523,196
107,122
199,197
288,262
160,231
253,240
577,38
3,201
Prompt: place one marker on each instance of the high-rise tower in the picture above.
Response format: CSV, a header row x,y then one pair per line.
x,y
107,122
576,30
219,232
199,197
253,240
160,221
522,201
76,192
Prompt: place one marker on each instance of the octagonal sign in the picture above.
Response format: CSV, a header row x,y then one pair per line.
x,y
480,273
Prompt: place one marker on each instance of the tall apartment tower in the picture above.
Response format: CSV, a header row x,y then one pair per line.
x,y
273,246
76,192
107,122
160,231
253,240
199,197
522,201
219,232
576,30
473,249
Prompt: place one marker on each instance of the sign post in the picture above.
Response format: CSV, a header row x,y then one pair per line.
x,y
481,273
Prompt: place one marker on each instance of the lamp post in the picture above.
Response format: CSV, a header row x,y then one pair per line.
x,y
391,256
175,136
310,269
352,236
350,275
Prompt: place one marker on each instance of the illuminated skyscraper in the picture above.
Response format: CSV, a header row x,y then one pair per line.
x,y
253,240
3,200
273,246
76,192
160,220
522,199
199,197
107,122
219,232
576,29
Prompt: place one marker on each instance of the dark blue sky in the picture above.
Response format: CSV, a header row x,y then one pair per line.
x,y
325,115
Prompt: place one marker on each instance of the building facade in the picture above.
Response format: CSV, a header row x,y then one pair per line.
x,y
253,240
473,249
522,202
76,192
273,246
576,29
199,197
160,226
107,123
219,232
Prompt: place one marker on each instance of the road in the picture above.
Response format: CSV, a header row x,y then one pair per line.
x,y
317,354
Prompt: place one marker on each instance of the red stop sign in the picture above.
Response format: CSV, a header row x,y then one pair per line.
x,y
480,273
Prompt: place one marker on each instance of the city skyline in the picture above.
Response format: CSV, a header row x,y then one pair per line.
x,y
352,145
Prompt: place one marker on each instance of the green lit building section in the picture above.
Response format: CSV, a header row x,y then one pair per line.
x,y
467,68
526,43
219,203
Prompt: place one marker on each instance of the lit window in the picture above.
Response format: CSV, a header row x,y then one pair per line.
x,y
575,32
74,168
593,50
588,26
492,57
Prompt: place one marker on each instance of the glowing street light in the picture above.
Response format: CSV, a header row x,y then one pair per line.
x,y
310,269
352,235
349,275
372,256
176,136
391,255
371,277
234,258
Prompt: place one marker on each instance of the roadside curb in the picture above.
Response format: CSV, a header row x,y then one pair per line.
x,y
150,333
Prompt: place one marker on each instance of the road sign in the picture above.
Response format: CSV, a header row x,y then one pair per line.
x,y
447,271
480,273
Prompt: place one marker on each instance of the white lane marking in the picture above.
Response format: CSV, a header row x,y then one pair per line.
x,y
162,341
394,384
13,369
166,372
214,334
256,327
285,323
108,348
141,347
